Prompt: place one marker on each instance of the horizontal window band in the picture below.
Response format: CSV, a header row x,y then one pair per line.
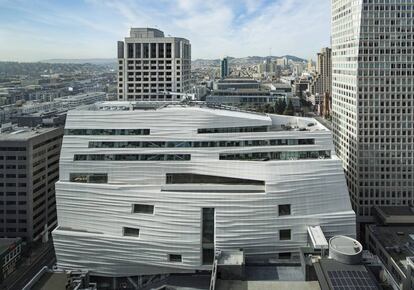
x,y
131,157
199,144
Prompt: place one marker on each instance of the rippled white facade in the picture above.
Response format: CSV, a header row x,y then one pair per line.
x,y
161,200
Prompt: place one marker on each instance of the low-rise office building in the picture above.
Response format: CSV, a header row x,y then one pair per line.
x,y
238,97
392,240
237,84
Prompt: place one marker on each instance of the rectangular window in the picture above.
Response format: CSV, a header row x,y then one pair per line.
x,y
153,50
266,156
208,256
175,258
137,50
285,255
130,50
161,50
131,232
132,157
145,48
208,225
284,235
107,131
89,177
168,50
184,178
284,209
143,208
233,130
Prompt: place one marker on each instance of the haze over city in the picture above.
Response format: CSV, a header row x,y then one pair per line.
x,y
39,30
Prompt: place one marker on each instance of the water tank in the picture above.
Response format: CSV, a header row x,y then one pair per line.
x,y
345,250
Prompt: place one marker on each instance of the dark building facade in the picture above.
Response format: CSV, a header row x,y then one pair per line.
x,y
29,168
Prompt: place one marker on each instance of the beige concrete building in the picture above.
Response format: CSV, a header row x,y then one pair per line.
x,y
150,64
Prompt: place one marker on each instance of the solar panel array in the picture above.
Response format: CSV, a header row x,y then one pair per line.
x,y
351,280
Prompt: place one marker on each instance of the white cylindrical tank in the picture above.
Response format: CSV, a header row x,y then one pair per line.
x,y
345,250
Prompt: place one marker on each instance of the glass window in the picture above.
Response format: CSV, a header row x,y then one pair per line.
x,y
145,50
183,178
161,50
132,157
137,50
107,131
130,50
285,255
89,177
284,235
168,50
175,258
143,208
153,50
131,232
284,209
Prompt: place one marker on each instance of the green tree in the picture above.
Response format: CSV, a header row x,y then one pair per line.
x,y
290,110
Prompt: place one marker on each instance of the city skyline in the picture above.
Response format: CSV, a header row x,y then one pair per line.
x,y
89,28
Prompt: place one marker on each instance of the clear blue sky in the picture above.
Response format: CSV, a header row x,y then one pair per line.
x,y
32,30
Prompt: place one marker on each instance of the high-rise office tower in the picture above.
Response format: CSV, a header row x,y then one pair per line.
x,y
324,68
224,68
29,168
322,83
373,68
150,64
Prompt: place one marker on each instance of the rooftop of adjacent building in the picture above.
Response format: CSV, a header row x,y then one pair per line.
x,y
52,281
142,32
147,33
238,81
7,243
48,279
397,240
80,96
234,91
10,132
333,274
269,285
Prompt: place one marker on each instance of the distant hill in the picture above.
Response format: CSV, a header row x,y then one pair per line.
x,y
97,61
249,60
35,69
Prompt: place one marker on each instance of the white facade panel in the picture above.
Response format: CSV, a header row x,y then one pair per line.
x,y
92,216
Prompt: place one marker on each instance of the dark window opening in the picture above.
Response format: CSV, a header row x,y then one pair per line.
x,y
285,255
284,235
208,256
233,130
145,50
184,178
208,235
168,50
130,50
284,209
175,258
131,232
89,177
143,208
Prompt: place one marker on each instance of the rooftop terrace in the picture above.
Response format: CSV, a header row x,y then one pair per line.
x,y
276,122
